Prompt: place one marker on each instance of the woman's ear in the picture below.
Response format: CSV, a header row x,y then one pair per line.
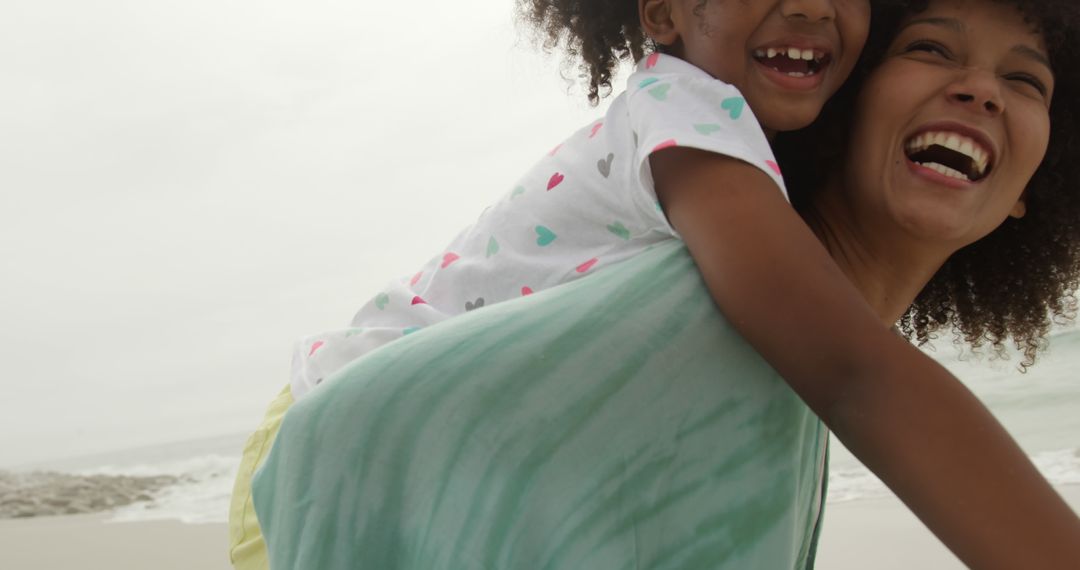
x,y
1020,207
656,21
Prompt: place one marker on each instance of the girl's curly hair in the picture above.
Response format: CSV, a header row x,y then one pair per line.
x,y
596,34
1021,278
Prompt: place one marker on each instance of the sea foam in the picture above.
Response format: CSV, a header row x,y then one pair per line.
x,y
856,482
197,490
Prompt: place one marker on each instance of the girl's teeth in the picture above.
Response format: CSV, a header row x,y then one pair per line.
x,y
791,53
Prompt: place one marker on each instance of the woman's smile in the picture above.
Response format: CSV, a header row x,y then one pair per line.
x,y
957,121
963,155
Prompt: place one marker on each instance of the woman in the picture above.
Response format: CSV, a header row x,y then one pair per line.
x,y
629,425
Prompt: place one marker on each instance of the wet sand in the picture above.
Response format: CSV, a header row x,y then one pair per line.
x,y
880,534
88,542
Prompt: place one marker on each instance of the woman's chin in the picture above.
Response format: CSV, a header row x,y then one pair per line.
x,y
940,227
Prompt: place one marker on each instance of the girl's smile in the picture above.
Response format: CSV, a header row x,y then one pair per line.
x,y
787,57
797,64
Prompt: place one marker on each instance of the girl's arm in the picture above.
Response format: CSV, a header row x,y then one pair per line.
x,y
903,415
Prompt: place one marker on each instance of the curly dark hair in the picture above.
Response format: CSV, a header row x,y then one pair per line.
x,y
595,34
1021,278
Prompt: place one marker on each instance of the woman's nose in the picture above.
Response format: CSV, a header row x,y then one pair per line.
x,y
979,91
809,10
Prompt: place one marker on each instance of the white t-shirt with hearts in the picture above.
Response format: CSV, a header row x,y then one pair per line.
x,y
588,204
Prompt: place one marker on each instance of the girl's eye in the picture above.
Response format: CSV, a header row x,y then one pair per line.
x,y
929,47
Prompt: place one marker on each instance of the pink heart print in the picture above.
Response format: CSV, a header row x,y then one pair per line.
x,y
416,278
318,344
555,180
595,129
651,62
666,144
449,258
526,291
587,265
418,301
775,167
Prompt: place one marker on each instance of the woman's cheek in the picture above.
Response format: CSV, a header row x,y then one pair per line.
x,y
1029,138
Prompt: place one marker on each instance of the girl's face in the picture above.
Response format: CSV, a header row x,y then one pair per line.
x,y
953,123
787,57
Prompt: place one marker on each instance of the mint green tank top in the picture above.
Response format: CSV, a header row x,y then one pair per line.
x,y
616,422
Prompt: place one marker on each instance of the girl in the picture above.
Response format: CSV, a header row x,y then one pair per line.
x,y
592,202
723,77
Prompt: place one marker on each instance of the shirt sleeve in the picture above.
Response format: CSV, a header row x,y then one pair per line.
x,y
673,109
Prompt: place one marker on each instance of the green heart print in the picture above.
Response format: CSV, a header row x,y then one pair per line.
x,y
544,236
660,92
647,82
734,106
620,230
707,128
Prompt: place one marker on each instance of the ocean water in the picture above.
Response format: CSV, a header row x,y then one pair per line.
x,y
1040,409
199,475
191,481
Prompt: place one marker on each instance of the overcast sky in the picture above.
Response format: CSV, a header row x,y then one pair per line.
x,y
188,186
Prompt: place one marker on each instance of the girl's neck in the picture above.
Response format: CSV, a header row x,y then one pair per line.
x,y
887,269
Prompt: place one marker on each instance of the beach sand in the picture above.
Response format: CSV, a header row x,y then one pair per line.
x,y
884,535
87,542
880,534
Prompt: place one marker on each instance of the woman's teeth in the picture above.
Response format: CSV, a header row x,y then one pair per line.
x,y
942,169
975,154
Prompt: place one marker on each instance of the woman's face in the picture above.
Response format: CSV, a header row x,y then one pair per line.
x,y
952,125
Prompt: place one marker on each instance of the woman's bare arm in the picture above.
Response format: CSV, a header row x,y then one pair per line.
x,y
903,415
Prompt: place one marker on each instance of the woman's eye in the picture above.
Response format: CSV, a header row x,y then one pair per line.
x,y
929,47
1030,80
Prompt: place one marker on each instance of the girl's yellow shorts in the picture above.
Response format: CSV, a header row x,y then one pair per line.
x,y
247,551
